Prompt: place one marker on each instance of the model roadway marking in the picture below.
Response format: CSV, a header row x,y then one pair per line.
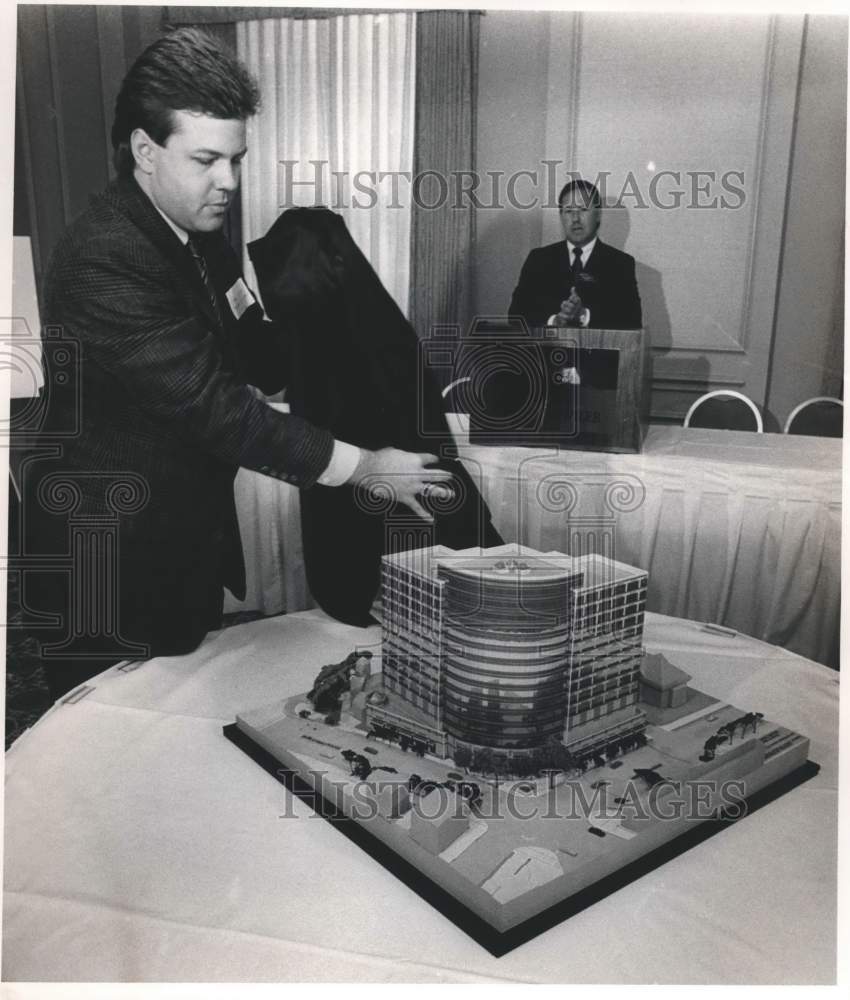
x,y
477,828
524,869
687,719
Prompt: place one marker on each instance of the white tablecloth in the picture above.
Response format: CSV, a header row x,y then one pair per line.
x,y
737,528
142,845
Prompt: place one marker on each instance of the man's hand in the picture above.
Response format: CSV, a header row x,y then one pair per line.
x,y
404,473
571,310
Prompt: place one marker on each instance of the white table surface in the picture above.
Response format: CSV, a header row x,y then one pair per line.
x,y
142,845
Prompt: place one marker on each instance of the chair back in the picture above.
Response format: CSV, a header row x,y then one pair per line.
x,y
725,410
821,416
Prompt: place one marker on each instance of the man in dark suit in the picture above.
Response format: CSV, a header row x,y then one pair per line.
x,y
172,341
579,281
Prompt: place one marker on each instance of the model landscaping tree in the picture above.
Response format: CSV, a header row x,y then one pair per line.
x,y
484,762
535,761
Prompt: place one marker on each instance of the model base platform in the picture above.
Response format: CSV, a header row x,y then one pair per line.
x,y
506,857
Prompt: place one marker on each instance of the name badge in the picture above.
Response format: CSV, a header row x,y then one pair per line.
x,y
239,298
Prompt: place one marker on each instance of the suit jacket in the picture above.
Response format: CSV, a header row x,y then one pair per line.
x,y
164,395
355,370
608,288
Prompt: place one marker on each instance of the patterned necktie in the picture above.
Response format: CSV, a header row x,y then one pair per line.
x,y
201,264
576,266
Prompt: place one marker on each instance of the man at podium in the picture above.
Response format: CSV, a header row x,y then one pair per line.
x,y
578,281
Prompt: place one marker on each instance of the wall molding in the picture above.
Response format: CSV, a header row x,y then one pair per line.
x,y
767,68
758,322
58,115
744,362
24,145
575,94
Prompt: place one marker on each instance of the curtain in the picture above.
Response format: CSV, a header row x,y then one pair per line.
x,y
337,112
335,128
269,516
232,15
443,225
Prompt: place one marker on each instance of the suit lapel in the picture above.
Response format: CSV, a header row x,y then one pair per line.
x,y
594,268
136,204
561,271
595,263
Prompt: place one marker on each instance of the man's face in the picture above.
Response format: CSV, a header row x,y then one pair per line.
x,y
193,177
580,218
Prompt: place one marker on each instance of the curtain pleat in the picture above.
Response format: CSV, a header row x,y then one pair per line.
x,y
232,15
338,110
443,228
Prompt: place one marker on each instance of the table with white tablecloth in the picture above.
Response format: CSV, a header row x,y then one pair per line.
x,y
142,845
733,527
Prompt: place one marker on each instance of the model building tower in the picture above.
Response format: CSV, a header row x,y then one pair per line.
x,y
509,648
505,648
606,637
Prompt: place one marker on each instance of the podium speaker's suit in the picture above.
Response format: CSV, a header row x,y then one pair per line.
x,y
607,287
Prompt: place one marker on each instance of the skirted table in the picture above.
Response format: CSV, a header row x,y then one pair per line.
x,y
141,845
737,528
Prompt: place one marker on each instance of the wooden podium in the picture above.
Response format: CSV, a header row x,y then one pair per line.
x,y
557,386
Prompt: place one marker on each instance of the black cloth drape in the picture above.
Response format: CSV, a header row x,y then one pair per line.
x,y
354,369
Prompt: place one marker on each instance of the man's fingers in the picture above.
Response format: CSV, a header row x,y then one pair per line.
x,y
419,510
436,475
427,459
434,492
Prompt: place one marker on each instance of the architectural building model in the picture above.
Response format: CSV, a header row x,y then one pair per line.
x,y
513,741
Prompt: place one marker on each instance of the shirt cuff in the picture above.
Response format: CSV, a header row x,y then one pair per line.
x,y
344,460
584,319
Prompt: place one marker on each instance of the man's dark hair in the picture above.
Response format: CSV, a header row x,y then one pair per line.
x,y
185,70
589,193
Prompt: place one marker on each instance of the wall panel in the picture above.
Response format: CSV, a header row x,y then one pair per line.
x,y
681,92
808,357
702,97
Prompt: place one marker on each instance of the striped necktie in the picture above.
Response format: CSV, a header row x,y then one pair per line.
x,y
576,266
201,264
